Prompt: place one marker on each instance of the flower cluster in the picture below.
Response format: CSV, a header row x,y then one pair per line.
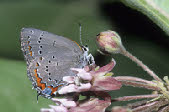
x,y
88,82
91,85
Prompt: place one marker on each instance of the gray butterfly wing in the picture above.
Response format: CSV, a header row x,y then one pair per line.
x,y
49,57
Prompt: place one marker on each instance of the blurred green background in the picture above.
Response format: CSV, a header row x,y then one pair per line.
x,y
139,34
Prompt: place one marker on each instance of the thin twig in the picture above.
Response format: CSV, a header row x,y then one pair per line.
x,y
144,67
150,107
164,109
137,103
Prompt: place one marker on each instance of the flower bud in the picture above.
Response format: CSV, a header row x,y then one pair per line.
x,y
109,42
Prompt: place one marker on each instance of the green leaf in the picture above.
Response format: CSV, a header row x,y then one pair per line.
x,y
156,10
16,89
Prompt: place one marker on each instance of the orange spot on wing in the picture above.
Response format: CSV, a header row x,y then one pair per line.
x,y
54,89
37,64
38,80
42,85
29,48
30,53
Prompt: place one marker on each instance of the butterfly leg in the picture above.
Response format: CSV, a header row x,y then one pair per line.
x,y
90,59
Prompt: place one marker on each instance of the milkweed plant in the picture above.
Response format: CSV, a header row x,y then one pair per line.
x,y
88,91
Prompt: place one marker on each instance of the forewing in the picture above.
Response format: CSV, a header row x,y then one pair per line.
x,y
49,57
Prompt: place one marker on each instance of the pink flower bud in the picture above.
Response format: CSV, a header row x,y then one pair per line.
x,y
92,105
109,42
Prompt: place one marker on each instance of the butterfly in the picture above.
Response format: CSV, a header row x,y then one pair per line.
x,y
49,58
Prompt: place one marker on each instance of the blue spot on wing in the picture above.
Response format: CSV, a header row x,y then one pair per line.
x,y
47,91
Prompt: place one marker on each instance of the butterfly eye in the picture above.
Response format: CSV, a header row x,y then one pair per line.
x,y
85,49
98,34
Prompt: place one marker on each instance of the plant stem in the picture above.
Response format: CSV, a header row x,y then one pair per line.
x,y
139,84
127,98
131,78
146,108
139,63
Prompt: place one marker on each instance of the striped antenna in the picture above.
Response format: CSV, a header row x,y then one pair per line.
x,y
80,33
